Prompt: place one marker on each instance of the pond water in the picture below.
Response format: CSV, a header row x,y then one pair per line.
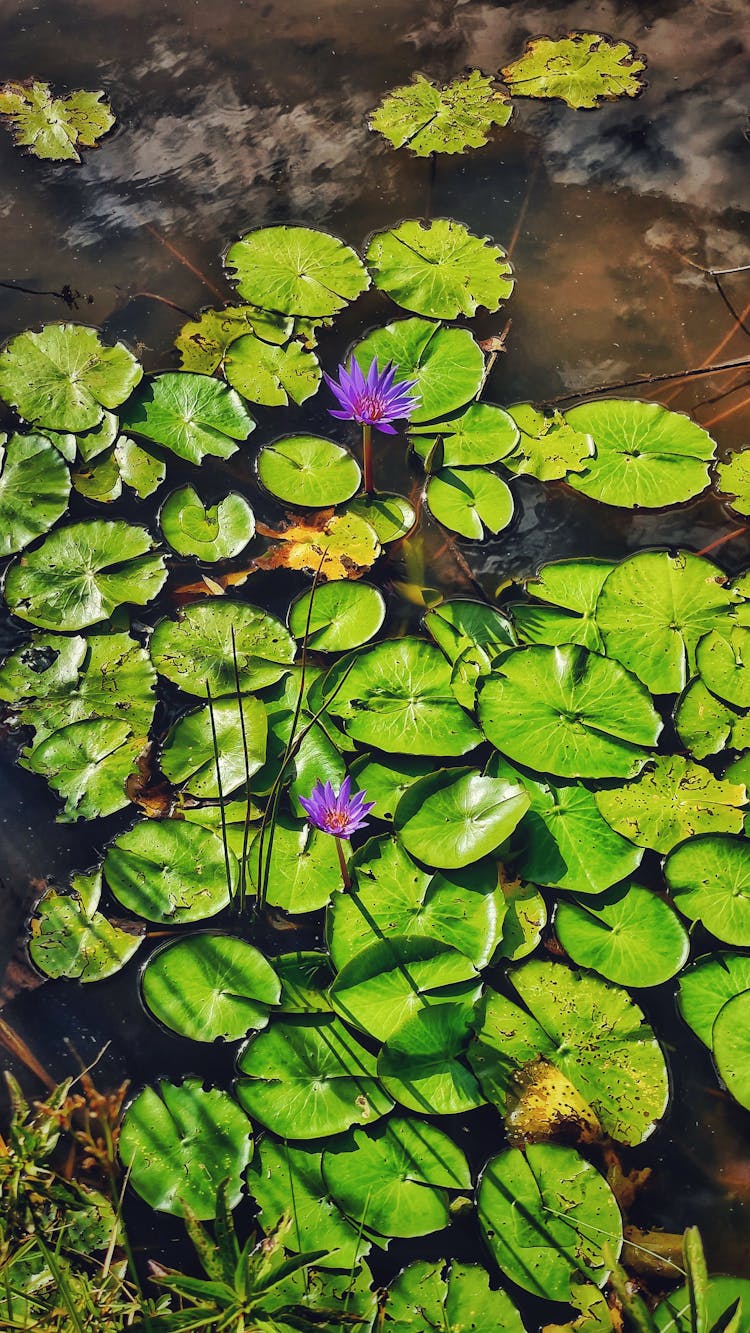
x,y
239,114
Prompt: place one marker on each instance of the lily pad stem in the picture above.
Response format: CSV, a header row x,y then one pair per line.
x,y
367,459
346,877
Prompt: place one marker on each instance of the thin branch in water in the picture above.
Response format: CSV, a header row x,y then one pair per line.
x,y
67,294
220,787
246,757
154,296
523,210
728,411
693,373
721,541
184,260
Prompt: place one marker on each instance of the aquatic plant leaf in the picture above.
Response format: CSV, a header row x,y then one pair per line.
x,y
654,608
266,373
563,841
279,1173
315,756
179,1142
390,516
429,1295
196,649
210,986
193,415
420,1065
569,712
100,479
296,270
523,917
81,573
427,118
308,1077
87,764
344,615
398,697
709,879
305,975
672,1314
590,1030
706,725
671,800
733,480
381,987
707,985
568,591
304,868
454,817
170,870
384,782
628,935
65,377
468,500
34,490
548,446
460,624
723,662
54,128
203,342
188,757
446,364
646,456
209,532
69,937
731,1046
439,269
308,470
324,1294
583,69
546,1214
479,435
391,895
332,546
139,468
395,1177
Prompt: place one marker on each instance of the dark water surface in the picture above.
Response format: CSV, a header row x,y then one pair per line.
x,y
238,113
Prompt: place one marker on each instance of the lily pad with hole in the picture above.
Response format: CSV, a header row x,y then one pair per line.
x,y
54,128
447,364
389,981
180,1142
203,342
707,985
709,879
480,434
628,935
330,546
671,800
429,1295
420,1066
548,447
205,770
456,816
564,611
390,516
266,373
195,416
470,500
169,870
646,456
70,937
439,269
196,651
34,490
209,532
65,377
308,471
583,69
338,616
303,871
733,479
210,986
296,270
307,1077
427,118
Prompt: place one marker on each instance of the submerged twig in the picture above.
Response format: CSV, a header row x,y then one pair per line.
x,y
692,373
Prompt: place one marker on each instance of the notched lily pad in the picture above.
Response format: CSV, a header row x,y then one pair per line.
x,y
210,532
428,119
196,650
296,271
54,128
65,377
193,415
446,364
479,435
169,870
308,470
71,938
333,546
439,268
469,500
266,373
203,342
583,69
34,490
210,986
547,446
646,456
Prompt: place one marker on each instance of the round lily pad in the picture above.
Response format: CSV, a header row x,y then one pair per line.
x,y
427,118
468,500
673,799
455,816
646,456
81,573
208,986
180,1142
628,935
210,532
195,650
439,268
709,878
308,471
421,1066
344,615
269,374
193,415
71,938
480,434
428,1296
389,981
673,1314
723,661
296,270
707,986
304,869
384,781
447,364
190,758
169,870
65,377
731,1046
390,516
34,490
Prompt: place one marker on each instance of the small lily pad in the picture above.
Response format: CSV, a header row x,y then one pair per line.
x,y
707,985
34,490
628,935
210,986
439,269
468,500
385,781
455,816
447,364
731,1046
344,615
296,270
308,471
195,651
139,468
723,662
548,447
71,938
569,591
266,373
733,480
479,435
303,869
170,871
427,118
54,128
583,69
390,516
331,546
673,1314
709,878
460,624
65,377
193,415
210,532
203,342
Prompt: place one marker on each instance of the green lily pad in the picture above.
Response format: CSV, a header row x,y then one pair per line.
x,y
81,573
655,607
54,128
455,816
723,661
34,490
420,1065
709,879
589,1030
569,712
193,415
188,757
69,937
395,1178
65,376
707,985
266,373
87,765
548,446
673,1314
304,868
381,987
308,471
522,919
733,479
100,479
139,468
296,270
706,725
308,1077
480,434
209,986
628,935
671,800
390,516
569,591
447,364
428,119
646,456
169,870
468,500
439,269
196,648
203,342
383,781
460,624
546,1214
344,615
393,896
305,976
429,1295
583,69
398,697
349,1298
315,756
180,1142
731,1046
210,532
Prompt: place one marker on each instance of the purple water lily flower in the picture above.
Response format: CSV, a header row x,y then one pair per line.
x,y
339,814
373,400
